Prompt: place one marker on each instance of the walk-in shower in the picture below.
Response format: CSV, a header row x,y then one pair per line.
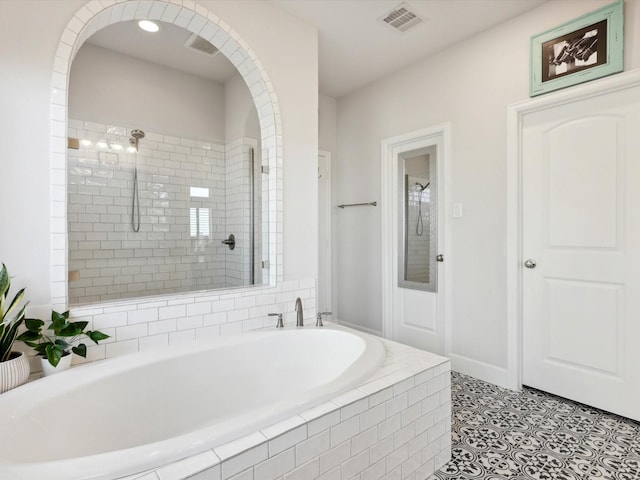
x,y
136,135
154,192
148,213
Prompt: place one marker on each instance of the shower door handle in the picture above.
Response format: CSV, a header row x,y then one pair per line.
x,y
230,242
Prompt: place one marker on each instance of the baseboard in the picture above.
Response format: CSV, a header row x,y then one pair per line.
x,y
370,331
481,370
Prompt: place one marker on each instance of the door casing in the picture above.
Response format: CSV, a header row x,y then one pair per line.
x,y
325,256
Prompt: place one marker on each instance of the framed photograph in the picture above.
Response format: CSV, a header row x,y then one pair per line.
x,y
578,51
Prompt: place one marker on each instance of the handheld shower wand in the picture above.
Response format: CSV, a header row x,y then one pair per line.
x,y
419,223
136,135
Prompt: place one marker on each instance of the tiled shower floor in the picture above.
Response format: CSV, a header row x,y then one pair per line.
x,y
500,434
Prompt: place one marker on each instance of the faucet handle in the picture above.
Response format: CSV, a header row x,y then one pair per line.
x,y
279,324
319,318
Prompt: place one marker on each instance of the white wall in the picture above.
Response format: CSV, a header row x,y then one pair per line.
x,y
327,126
27,51
328,141
470,84
112,88
239,108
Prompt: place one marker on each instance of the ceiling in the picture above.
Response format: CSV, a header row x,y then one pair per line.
x,y
355,49
165,47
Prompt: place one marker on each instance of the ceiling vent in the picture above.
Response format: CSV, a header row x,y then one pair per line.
x,y
401,18
199,44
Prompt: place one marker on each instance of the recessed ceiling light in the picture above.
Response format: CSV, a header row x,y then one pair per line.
x,y
148,26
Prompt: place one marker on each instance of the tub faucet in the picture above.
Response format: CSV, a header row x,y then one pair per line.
x,y
300,319
279,323
319,318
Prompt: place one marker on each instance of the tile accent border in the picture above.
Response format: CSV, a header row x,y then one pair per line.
x,y
395,426
187,14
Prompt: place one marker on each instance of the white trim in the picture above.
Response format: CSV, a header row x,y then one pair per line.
x,y
515,117
388,168
329,263
360,328
97,15
475,368
448,238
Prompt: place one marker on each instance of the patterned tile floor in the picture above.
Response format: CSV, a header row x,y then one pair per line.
x,y
499,434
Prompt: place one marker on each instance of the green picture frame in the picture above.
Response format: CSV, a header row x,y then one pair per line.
x,y
589,47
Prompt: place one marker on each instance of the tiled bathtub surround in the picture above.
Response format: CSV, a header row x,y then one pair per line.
x,y
138,325
190,196
395,426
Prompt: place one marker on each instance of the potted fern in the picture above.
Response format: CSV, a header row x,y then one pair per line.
x,y
55,344
14,366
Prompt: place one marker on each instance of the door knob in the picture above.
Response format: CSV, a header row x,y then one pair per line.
x,y
530,263
440,258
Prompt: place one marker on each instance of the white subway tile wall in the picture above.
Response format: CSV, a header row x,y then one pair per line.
x,y
243,197
192,195
397,426
158,322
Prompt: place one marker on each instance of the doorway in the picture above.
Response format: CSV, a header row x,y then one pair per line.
x,y
575,247
325,287
415,235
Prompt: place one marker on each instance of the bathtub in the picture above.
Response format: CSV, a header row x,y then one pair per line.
x,y
137,412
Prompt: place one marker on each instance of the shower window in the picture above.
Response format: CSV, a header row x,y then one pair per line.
x,y
199,222
417,219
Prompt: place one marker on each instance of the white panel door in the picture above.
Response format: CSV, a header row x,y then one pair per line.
x,y
581,251
418,316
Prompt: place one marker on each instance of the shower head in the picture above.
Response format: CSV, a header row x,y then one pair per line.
x,y
423,188
137,133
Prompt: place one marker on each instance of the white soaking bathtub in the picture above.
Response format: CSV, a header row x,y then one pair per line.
x,y
141,411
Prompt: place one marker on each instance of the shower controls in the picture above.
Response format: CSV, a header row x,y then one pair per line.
x,y
440,258
530,263
230,242
279,324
